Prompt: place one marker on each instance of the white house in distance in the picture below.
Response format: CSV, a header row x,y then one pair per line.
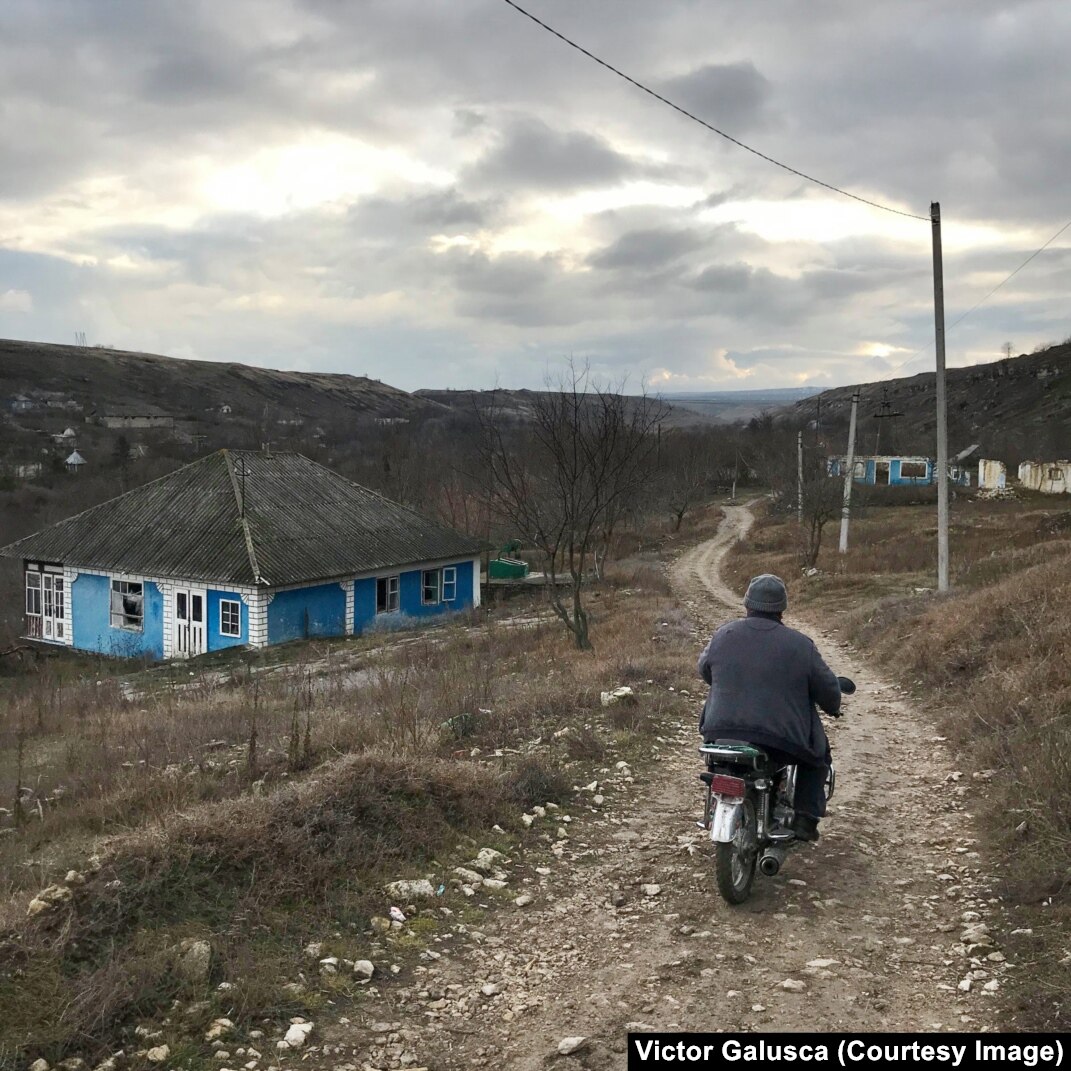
x,y
1049,477
239,548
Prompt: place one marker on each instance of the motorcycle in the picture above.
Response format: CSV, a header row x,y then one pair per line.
x,y
749,810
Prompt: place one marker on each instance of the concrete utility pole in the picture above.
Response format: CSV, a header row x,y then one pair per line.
x,y
942,405
799,476
849,475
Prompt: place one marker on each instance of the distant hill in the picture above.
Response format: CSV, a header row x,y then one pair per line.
x,y
680,412
1014,409
733,406
48,387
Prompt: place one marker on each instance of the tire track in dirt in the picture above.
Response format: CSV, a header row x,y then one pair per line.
x,y
626,929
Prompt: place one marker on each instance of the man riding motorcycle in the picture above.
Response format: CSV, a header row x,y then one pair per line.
x,y
765,679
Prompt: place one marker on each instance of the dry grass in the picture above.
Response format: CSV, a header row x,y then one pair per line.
x,y
264,805
994,658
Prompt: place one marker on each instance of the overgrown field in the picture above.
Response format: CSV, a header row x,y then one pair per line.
x,y
263,806
993,659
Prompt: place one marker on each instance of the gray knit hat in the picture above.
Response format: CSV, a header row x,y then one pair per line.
x,y
767,594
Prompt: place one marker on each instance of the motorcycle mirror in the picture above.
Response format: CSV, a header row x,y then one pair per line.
x,y
847,685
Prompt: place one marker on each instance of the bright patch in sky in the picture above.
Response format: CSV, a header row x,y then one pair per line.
x,y
311,174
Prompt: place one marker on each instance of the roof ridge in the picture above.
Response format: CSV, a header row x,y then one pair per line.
x,y
246,532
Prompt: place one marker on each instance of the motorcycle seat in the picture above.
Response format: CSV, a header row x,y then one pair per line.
x,y
736,753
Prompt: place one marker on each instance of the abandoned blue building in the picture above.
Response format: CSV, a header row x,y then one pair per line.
x,y
240,548
895,471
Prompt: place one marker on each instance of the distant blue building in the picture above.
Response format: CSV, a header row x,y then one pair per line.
x,y
240,548
895,471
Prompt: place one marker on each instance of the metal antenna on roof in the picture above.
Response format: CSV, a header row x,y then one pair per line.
x,y
242,473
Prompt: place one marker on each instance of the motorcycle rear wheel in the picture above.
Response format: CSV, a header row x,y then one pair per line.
x,y
735,862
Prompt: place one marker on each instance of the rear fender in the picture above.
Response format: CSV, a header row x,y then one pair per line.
x,y
726,820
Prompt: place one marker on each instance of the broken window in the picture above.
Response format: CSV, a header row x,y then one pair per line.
x,y
913,470
386,594
430,584
1056,473
128,605
230,617
450,584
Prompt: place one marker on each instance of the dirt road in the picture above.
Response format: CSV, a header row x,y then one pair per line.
x,y
625,928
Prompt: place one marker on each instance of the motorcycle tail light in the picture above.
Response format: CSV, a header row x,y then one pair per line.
x,y
728,786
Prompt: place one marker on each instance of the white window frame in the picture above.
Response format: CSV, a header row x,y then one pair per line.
x,y
32,574
449,583
394,593
237,604
122,614
437,574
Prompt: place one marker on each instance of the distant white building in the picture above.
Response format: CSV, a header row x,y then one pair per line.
x,y
75,462
1049,477
992,475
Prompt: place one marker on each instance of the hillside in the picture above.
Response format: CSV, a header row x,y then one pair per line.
x,y
1016,408
517,404
61,386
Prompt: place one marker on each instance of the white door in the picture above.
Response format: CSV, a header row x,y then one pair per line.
x,y
189,622
53,606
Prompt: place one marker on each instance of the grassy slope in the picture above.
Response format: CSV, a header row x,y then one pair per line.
x,y
994,662
358,778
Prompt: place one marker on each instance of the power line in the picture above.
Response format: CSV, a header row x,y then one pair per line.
x,y
1007,278
702,122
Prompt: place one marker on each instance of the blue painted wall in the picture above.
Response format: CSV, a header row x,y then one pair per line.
x,y
216,640
91,620
410,598
304,612
896,480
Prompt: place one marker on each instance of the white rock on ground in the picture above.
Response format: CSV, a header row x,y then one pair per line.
x,y
39,1065
297,1035
158,1054
487,859
567,1046
363,969
410,889
194,959
608,699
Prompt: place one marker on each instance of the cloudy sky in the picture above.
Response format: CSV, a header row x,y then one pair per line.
x,y
438,193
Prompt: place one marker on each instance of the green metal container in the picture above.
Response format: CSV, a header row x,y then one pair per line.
x,y
506,569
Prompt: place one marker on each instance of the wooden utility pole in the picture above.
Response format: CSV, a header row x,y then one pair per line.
x,y
799,476
849,476
942,405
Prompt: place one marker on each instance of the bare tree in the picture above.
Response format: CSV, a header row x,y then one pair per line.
x,y
561,481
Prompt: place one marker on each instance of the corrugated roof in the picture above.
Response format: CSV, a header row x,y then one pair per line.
x,y
302,522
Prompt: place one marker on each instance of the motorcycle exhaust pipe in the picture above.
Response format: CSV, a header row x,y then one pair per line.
x,y
771,861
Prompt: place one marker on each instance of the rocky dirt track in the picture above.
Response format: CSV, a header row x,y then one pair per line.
x,y
881,925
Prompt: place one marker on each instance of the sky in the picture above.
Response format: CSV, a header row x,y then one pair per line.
x,y
437,193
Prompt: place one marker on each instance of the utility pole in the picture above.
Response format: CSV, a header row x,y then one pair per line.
x,y
736,471
799,476
849,476
942,406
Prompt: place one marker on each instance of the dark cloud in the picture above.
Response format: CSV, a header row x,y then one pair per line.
x,y
733,96
646,249
531,154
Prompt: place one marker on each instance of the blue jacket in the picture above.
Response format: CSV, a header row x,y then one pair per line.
x,y
765,679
